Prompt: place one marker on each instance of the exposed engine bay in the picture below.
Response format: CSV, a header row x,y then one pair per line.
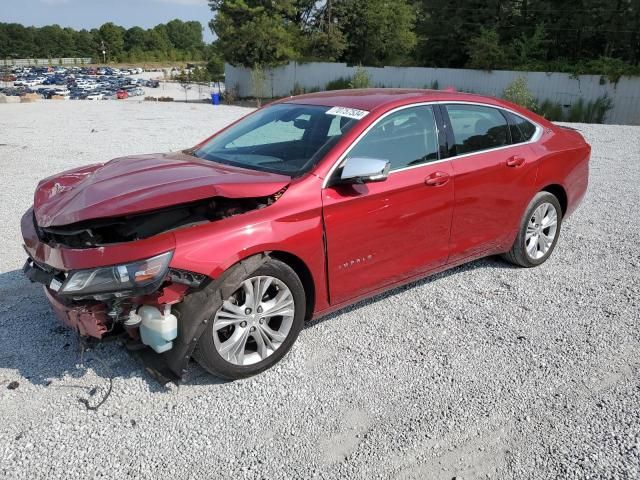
x,y
104,231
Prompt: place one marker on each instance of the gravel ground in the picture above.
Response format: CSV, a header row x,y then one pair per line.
x,y
483,371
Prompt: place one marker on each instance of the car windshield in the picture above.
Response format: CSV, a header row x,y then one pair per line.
x,y
288,139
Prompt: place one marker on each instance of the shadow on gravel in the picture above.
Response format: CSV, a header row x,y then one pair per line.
x,y
42,350
488,262
33,342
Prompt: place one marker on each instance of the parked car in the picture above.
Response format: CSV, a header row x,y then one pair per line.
x,y
27,82
95,96
135,92
223,250
122,94
61,91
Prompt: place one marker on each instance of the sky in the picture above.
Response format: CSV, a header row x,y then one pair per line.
x,y
93,13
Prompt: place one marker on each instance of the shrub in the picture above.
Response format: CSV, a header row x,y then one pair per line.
x,y
580,112
341,83
518,92
550,110
298,89
360,79
590,112
230,95
258,80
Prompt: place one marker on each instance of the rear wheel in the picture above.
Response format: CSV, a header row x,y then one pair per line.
x,y
539,232
256,325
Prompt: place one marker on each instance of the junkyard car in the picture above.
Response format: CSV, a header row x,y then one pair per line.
x,y
222,251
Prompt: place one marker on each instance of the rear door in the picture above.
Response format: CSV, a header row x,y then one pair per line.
x,y
380,233
494,174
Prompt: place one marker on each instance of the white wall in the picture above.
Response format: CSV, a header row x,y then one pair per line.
x,y
557,87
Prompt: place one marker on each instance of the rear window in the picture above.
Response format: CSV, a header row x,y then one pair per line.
x,y
477,128
521,130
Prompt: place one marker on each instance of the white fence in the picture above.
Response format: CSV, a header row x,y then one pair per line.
x,y
24,62
557,87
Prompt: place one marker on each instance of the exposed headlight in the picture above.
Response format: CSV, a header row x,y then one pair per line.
x,y
129,276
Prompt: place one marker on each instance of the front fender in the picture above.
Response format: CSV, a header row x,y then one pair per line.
x,y
293,225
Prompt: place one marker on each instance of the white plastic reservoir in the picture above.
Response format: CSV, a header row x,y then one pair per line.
x,y
158,329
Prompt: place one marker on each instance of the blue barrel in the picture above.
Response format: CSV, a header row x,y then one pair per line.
x,y
215,99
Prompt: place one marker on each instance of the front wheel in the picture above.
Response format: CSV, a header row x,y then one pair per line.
x,y
539,232
256,325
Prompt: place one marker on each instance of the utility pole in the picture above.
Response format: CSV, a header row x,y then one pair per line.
x,y
104,51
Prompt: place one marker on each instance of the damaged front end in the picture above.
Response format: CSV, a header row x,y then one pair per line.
x,y
106,301
100,239
135,300
105,231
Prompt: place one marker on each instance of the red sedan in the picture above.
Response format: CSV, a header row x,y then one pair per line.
x,y
122,94
222,251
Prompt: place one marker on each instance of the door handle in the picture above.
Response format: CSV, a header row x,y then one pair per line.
x,y
436,179
515,161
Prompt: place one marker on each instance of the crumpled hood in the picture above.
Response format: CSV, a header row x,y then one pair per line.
x,y
143,183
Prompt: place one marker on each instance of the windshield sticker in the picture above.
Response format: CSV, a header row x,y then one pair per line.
x,y
347,112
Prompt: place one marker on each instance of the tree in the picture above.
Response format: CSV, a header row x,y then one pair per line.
x,y
136,43
158,39
21,41
184,35
113,37
326,46
377,32
135,38
255,33
85,44
485,51
53,41
529,49
445,28
184,78
215,64
321,36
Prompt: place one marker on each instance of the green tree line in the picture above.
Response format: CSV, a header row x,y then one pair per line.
x,y
175,40
580,36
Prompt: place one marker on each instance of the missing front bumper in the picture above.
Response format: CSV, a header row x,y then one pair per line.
x,y
88,320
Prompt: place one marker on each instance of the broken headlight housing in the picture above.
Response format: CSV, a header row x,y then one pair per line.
x,y
118,278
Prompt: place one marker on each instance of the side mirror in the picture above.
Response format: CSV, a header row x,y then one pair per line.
x,y
364,170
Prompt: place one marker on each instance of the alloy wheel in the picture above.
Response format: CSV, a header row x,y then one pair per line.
x,y
254,321
541,230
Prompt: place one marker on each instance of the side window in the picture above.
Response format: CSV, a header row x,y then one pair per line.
x,y
477,128
405,138
521,130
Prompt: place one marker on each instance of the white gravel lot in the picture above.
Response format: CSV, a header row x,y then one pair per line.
x,y
483,371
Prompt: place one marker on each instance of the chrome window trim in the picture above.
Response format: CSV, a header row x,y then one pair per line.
x,y
536,136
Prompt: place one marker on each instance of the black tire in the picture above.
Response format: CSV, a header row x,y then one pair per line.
x,y
518,254
206,353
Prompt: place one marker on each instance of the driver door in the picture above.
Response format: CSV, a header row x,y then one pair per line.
x,y
381,233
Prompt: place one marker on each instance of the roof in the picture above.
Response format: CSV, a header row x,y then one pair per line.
x,y
370,99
